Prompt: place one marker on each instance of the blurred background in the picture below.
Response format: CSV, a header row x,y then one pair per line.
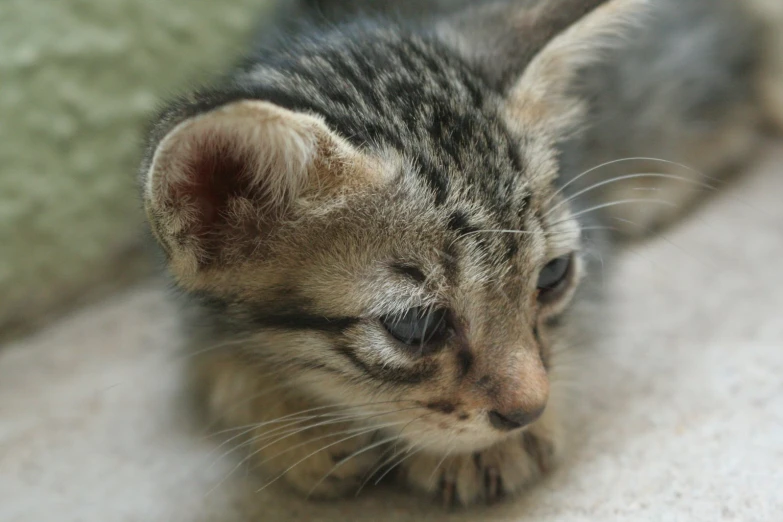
x,y
78,80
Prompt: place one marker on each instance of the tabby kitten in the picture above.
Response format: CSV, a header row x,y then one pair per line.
x,y
383,228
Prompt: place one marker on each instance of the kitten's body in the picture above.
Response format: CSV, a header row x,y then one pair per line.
x,y
395,166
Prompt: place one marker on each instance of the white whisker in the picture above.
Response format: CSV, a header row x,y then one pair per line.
x,y
616,179
621,160
412,450
440,463
363,418
349,457
292,466
616,203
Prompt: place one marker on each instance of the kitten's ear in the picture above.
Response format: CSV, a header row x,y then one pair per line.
x,y
533,51
218,183
541,100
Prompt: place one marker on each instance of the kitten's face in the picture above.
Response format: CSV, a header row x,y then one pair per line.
x,y
431,312
401,254
428,315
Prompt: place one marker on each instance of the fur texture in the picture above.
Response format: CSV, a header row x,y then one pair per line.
x,y
360,171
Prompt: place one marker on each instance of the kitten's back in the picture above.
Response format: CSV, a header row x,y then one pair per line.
x,y
681,89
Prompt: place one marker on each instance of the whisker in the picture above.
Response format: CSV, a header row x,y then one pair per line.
x,y
362,417
355,433
621,160
675,245
277,432
399,435
217,346
248,457
494,231
440,463
319,424
616,179
394,451
414,448
349,457
292,466
421,343
345,406
377,468
614,204
700,174
336,418
408,455
239,403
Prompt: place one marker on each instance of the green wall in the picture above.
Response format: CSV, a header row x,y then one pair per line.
x,y
78,78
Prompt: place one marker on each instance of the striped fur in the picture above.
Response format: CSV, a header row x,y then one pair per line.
x,y
355,166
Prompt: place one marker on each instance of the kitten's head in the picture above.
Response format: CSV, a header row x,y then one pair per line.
x,y
375,213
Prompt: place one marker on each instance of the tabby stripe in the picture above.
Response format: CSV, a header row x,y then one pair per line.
x,y
303,321
416,375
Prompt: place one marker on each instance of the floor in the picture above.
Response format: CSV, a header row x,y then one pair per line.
x,y
681,418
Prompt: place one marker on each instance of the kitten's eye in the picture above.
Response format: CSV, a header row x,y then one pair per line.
x,y
418,326
553,278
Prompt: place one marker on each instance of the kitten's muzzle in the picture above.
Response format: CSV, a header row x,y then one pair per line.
x,y
514,419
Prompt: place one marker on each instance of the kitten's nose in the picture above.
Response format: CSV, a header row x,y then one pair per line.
x,y
513,419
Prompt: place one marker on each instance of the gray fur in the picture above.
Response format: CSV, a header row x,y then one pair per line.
x,y
684,79
470,210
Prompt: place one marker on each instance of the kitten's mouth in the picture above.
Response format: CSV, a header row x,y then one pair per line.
x,y
448,429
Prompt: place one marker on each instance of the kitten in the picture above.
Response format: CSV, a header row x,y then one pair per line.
x,y
382,227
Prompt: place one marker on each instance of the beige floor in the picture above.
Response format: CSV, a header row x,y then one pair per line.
x,y
682,420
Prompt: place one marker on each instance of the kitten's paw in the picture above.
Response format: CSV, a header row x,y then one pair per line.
x,y
482,477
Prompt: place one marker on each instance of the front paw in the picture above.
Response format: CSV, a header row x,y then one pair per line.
x,y
482,477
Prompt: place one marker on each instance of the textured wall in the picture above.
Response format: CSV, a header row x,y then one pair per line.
x,y
77,80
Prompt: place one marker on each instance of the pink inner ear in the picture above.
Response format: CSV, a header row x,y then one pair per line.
x,y
215,177
214,174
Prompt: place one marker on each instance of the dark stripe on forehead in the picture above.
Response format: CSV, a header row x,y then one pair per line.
x,y
527,201
416,374
436,180
458,222
410,271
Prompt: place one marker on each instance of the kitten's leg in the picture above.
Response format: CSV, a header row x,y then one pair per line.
x,y
302,442
488,475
